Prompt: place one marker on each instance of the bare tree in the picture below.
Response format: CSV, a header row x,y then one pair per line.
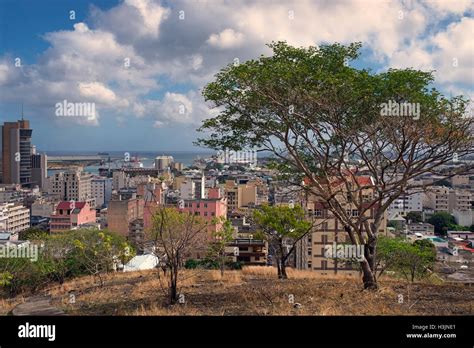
x,y
177,235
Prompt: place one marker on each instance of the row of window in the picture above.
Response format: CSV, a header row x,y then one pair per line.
x,y
353,212
204,214
190,205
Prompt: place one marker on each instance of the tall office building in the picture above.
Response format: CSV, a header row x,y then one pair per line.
x,y
39,170
16,152
163,162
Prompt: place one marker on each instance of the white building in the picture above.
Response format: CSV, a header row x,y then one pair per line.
x,y
464,217
187,189
101,190
120,179
73,185
407,203
17,217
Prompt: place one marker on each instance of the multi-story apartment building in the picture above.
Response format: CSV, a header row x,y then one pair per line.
x,y
121,211
13,194
120,179
240,196
193,187
71,215
457,201
407,203
16,216
460,200
250,251
213,207
460,181
310,251
437,198
187,189
101,190
72,185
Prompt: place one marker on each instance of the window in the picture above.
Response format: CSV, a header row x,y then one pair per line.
x,y
318,212
355,212
205,205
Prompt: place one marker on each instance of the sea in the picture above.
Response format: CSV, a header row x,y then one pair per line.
x,y
146,157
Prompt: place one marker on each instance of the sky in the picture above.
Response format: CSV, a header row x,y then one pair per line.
x,y
143,63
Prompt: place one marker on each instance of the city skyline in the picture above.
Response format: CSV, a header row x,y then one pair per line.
x,y
144,76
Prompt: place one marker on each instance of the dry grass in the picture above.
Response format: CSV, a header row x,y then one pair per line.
x,y
269,272
253,291
6,305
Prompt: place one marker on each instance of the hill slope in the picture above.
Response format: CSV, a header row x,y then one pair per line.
x,y
253,291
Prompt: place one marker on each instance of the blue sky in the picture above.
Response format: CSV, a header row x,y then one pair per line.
x,y
174,48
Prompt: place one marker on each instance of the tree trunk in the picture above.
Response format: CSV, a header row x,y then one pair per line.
x,y
281,269
222,266
368,277
368,266
173,290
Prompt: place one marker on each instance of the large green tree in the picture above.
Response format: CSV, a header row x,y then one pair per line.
x,y
324,120
282,227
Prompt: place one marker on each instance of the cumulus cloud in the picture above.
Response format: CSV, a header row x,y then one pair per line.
x,y
129,59
227,38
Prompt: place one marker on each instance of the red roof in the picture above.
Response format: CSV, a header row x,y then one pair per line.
x,y
69,205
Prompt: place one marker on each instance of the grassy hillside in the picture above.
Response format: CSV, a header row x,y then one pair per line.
x,y
253,291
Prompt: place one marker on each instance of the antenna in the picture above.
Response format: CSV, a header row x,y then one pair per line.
x,y
22,112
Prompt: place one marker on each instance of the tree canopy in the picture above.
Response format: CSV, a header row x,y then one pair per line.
x,y
325,121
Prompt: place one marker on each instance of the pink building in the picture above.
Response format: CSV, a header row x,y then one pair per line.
x,y
70,215
215,206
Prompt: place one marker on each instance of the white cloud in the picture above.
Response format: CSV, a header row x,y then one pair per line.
x,y
227,38
124,55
